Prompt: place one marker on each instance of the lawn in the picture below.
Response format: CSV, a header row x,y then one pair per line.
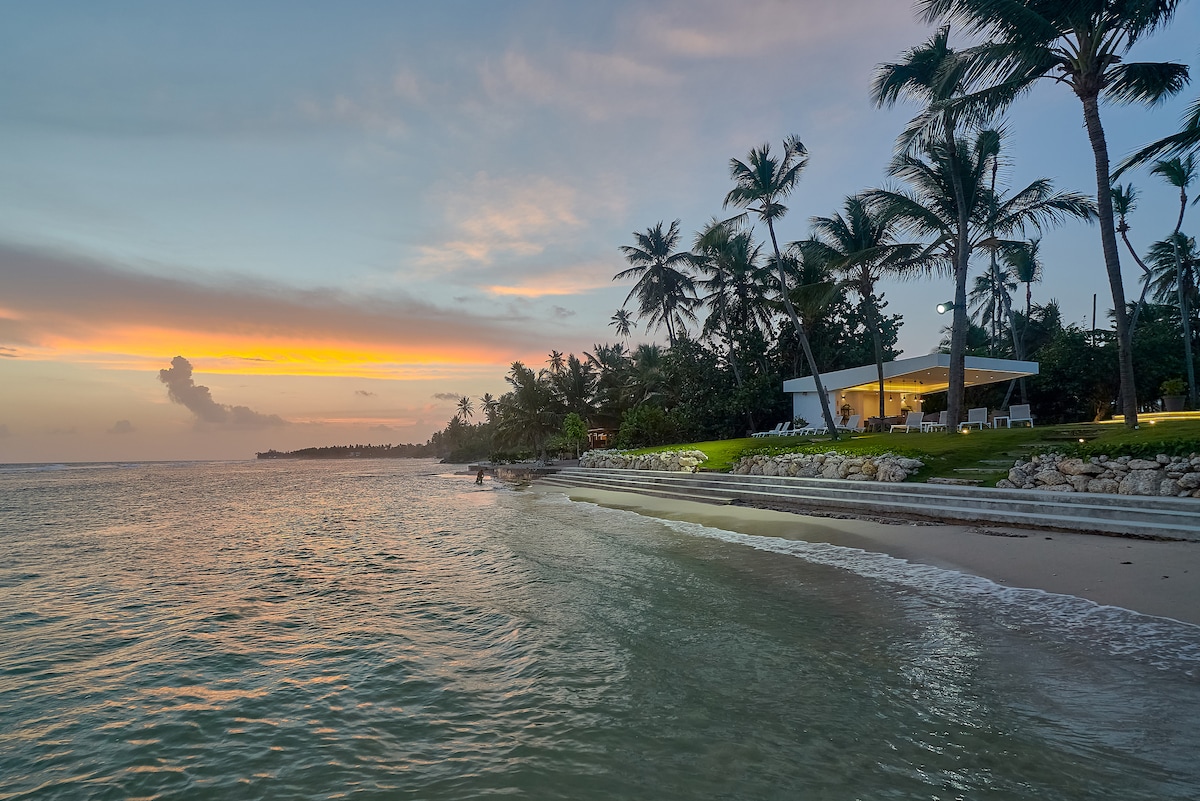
x,y
985,455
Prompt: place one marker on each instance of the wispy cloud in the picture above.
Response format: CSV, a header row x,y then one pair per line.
x,y
122,427
492,217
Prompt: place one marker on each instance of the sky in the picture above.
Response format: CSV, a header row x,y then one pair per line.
x,y
227,227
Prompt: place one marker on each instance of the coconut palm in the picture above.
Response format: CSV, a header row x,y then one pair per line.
x,y
490,406
465,408
574,387
527,414
1079,43
859,243
623,322
1124,199
556,362
1186,140
761,183
734,286
991,299
928,209
664,289
935,74
1180,172
1025,266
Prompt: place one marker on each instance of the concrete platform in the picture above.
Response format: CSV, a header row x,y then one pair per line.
x,y
1119,515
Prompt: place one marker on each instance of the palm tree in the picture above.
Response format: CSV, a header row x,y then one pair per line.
x,y
664,290
860,244
623,322
556,362
465,408
1187,139
1124,200
929,210
734,286
1180,172
1079,43
574,387
490,406
612,365
934,73
1025,266
527,413
760,184
991,298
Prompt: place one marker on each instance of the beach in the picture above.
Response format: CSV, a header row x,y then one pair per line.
x,y
1151,577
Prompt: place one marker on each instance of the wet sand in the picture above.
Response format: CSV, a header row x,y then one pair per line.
x,y
1151,577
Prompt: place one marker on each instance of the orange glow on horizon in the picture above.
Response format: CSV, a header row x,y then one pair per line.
x,y
141,348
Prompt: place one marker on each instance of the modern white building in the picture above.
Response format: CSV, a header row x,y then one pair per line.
x,y
906,382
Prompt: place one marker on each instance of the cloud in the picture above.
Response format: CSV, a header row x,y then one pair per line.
x,y
122,427
8,353
63,306
382,429
198,399
447,396
364,393
494,217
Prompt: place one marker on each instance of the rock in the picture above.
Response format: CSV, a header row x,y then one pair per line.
x,y
1004,483
911,465
869,469
1103,485
1057,488
1168,488
1141,482
1050,478
1080,483
1162,458
1078,467
1017,476
1189,481
1143,464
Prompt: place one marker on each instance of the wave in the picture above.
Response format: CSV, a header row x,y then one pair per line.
x,y
1164,643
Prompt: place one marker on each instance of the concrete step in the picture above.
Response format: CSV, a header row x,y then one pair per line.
x,y
1173,518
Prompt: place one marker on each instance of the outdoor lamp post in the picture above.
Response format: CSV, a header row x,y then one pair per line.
x,y
942,308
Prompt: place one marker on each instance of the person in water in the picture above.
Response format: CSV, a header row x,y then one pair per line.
x,y
479,476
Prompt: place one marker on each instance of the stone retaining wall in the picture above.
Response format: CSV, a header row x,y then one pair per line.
x,y
886,467
674,461
1168,476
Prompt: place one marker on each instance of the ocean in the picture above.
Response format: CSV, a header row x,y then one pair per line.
x,y
386,629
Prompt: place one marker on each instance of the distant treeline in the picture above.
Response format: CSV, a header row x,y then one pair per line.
x,y
355,452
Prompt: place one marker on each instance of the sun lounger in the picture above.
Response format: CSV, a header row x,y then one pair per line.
x,y
774,432
976,418
939,425
851,424
912,423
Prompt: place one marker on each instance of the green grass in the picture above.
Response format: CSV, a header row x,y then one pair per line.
x,y
944,453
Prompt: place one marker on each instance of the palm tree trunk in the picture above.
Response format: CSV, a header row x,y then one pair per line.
x,y
1185,323
962,256
871,313
1112,259
1137,309
803,337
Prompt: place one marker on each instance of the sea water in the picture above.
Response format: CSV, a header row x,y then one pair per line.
x,y
387,629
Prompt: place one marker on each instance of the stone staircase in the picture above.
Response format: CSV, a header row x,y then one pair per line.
x,y
1126,515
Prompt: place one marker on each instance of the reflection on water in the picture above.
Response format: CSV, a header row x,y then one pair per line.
x,y
380,629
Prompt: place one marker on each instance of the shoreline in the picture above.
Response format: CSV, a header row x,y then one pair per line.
x,y
1151,577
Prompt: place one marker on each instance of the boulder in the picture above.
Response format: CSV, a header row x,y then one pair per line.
x,y
1050,478
1103,485
1141,482
1189,481
1143,464
1078,467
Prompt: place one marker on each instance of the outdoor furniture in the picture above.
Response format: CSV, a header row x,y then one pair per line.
x,y
774,432
936,425
1019,414
813,430
851,424
913,423
976,418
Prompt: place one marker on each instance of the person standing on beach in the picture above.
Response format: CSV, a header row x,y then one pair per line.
x,y
479,476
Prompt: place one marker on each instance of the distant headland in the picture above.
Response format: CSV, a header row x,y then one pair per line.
x,y
354,452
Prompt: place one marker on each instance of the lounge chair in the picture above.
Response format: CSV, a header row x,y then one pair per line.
x,y
912,423
813,430
939,425
774,432
976,418
851,424
1020,414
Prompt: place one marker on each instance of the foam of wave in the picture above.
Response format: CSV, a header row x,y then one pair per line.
x,y
1164,643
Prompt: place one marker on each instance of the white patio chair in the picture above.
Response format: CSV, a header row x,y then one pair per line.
x,y
1020,414
851,424
774,432
939,425
912,423
976,418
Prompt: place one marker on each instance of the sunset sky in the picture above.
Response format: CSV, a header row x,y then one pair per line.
x,y
343,216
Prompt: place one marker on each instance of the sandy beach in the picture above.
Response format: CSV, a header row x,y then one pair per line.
x,y
1150,577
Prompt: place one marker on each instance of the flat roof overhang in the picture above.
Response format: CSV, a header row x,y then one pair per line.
x,y
919,375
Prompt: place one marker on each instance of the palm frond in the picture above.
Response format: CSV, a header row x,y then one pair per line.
x,y
1145,82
